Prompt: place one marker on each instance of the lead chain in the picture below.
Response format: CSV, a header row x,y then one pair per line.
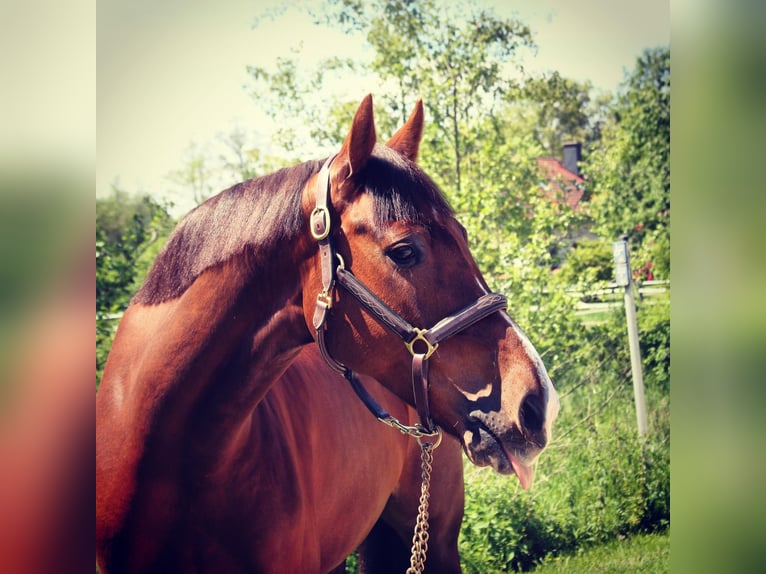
x,y
420,536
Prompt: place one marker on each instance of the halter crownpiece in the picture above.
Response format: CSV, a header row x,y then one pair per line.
x,y
421,343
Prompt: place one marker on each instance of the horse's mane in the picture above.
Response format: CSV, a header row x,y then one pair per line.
x,y
404,193
259,212
255,213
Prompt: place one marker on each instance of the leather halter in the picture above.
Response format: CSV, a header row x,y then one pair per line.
x,y
421,343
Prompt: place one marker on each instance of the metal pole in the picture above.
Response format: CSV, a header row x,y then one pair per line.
x,y
624,278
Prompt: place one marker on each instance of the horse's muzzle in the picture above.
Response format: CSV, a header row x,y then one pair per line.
x,y
490,440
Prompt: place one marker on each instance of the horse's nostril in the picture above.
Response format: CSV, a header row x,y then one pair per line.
x,y
532,414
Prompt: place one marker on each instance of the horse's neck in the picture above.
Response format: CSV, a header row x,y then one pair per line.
x,y
166,356
171,360
227,405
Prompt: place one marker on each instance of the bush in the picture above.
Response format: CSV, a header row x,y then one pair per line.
x,y
654,336
129,233
597,482
589,262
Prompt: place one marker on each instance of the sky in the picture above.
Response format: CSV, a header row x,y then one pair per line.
x,y
173,73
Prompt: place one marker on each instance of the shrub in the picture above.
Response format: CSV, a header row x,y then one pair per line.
x,y
589,262
598,482
654,336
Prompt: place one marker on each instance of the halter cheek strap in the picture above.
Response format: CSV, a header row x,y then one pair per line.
x,y
320,223
421,343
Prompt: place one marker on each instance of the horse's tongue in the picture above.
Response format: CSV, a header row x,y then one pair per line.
x,y
526,474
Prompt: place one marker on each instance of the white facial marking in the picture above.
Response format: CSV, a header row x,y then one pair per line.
x,y
480,394
549,392
550,395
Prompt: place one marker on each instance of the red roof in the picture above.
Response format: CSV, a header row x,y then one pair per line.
x,y
560,182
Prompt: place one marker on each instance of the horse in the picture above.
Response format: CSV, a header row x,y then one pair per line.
x,y
330,460
348,253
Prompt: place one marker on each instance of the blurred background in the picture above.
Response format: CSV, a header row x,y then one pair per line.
x,y
47,155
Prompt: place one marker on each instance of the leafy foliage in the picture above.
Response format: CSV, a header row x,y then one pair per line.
x,y
457,57
457,65
596,482
301,101
654,335
630,171
129,232
209,168
565,111
588,264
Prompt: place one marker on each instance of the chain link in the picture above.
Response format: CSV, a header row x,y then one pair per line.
x,y
420,536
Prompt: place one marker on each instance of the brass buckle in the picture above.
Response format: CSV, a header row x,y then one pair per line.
x,y
320,229
420,336
325,299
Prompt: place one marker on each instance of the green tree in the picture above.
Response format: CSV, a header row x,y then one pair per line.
x,y
239,160
130,230
565,110
458,57
300,102
629,172
195,176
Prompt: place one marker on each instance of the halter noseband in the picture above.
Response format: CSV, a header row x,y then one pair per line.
x,y
421,343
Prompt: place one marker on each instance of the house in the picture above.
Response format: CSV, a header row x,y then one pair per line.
x,y
562,179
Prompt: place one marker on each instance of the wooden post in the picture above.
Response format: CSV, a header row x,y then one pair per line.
x,y
623,277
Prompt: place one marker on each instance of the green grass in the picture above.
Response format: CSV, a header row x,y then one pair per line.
x,y
648,553
595,317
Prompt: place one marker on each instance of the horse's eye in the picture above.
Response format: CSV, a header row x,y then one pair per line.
x,y
403,254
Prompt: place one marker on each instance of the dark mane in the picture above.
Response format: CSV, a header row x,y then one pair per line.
x,y
403,193
256,212
260,212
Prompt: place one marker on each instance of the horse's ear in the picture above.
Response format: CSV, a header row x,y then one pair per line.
x,y
407,140
357,147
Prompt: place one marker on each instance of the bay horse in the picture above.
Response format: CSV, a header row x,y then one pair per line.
x,y
349,253
335,474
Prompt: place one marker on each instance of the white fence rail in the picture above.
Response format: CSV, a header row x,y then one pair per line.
x,y
614,293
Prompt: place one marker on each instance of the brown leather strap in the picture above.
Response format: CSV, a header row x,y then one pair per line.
x,y
444,329
336,366
321,226
473,313
420,390
374,305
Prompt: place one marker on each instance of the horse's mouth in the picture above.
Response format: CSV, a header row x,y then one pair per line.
x,y
484,448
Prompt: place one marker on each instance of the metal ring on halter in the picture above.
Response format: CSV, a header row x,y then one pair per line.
x,y
432,445
320,223
420,335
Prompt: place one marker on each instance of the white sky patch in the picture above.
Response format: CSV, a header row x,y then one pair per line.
x,y
174,72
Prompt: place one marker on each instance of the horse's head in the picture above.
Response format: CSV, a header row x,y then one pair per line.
x,y
398,240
